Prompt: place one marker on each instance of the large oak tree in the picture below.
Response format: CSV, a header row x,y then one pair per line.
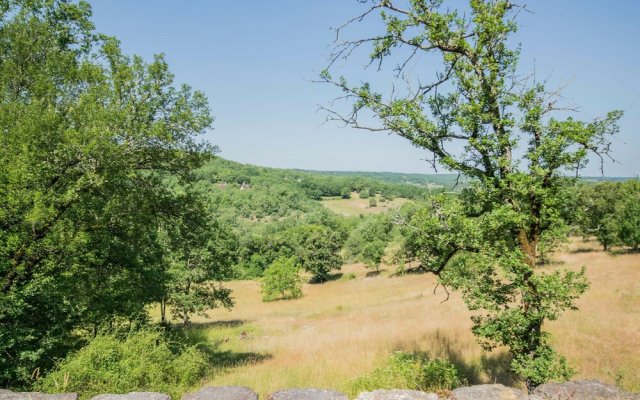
x,y
472,115
87,136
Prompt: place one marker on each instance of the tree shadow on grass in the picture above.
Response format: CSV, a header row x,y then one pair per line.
x,y
623,251
230,323
583,250
492,367
328,278
417,270
217,357
550,263
225,359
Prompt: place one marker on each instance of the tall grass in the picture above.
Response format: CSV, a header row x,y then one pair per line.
x,y
408,371
342,330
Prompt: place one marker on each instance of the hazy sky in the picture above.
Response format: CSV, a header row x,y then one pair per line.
x,y
255,59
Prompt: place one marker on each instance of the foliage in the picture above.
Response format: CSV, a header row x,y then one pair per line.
x,y
471,117
136,362
282,280
88,137
364,194
372,202
409,371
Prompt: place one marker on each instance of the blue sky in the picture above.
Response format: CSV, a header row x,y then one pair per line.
x,y
255,59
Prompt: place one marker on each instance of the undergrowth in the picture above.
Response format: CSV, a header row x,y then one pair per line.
x,y
409,371
146,360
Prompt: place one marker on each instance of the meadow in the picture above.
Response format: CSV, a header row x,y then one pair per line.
x,y
345,328
356,206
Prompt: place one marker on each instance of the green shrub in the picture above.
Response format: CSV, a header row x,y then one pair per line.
x,y
409,371
348,277
372,202
364,194
139,361
281,280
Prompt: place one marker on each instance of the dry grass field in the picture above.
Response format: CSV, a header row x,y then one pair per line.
x,y
343,329
356,206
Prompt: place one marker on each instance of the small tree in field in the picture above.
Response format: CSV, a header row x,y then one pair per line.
x,y
470,117
197,254
372,202
372,253
281,280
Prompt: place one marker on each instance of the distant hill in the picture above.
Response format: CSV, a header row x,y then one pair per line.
x,y
427,180
330,182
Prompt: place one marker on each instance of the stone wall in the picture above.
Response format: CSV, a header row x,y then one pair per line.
x,y
578,390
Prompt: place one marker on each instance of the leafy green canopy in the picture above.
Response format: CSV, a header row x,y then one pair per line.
x,y
471,117
87,136
282,280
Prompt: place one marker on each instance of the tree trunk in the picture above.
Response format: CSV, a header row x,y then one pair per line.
x,y
163,311
534,331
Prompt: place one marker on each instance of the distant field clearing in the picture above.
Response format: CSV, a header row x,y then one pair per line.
x,y
356,206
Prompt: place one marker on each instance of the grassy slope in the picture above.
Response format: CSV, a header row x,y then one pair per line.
x,y
356,206
343,329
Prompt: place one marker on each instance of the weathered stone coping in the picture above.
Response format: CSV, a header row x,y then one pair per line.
x,y
576,390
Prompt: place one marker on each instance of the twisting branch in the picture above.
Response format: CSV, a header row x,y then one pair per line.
x,y
438,283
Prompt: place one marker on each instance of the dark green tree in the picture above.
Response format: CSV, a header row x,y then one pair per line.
x,y
318,247
470,117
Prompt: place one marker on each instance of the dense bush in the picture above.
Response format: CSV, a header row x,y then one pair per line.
x,y
141,361
409,371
